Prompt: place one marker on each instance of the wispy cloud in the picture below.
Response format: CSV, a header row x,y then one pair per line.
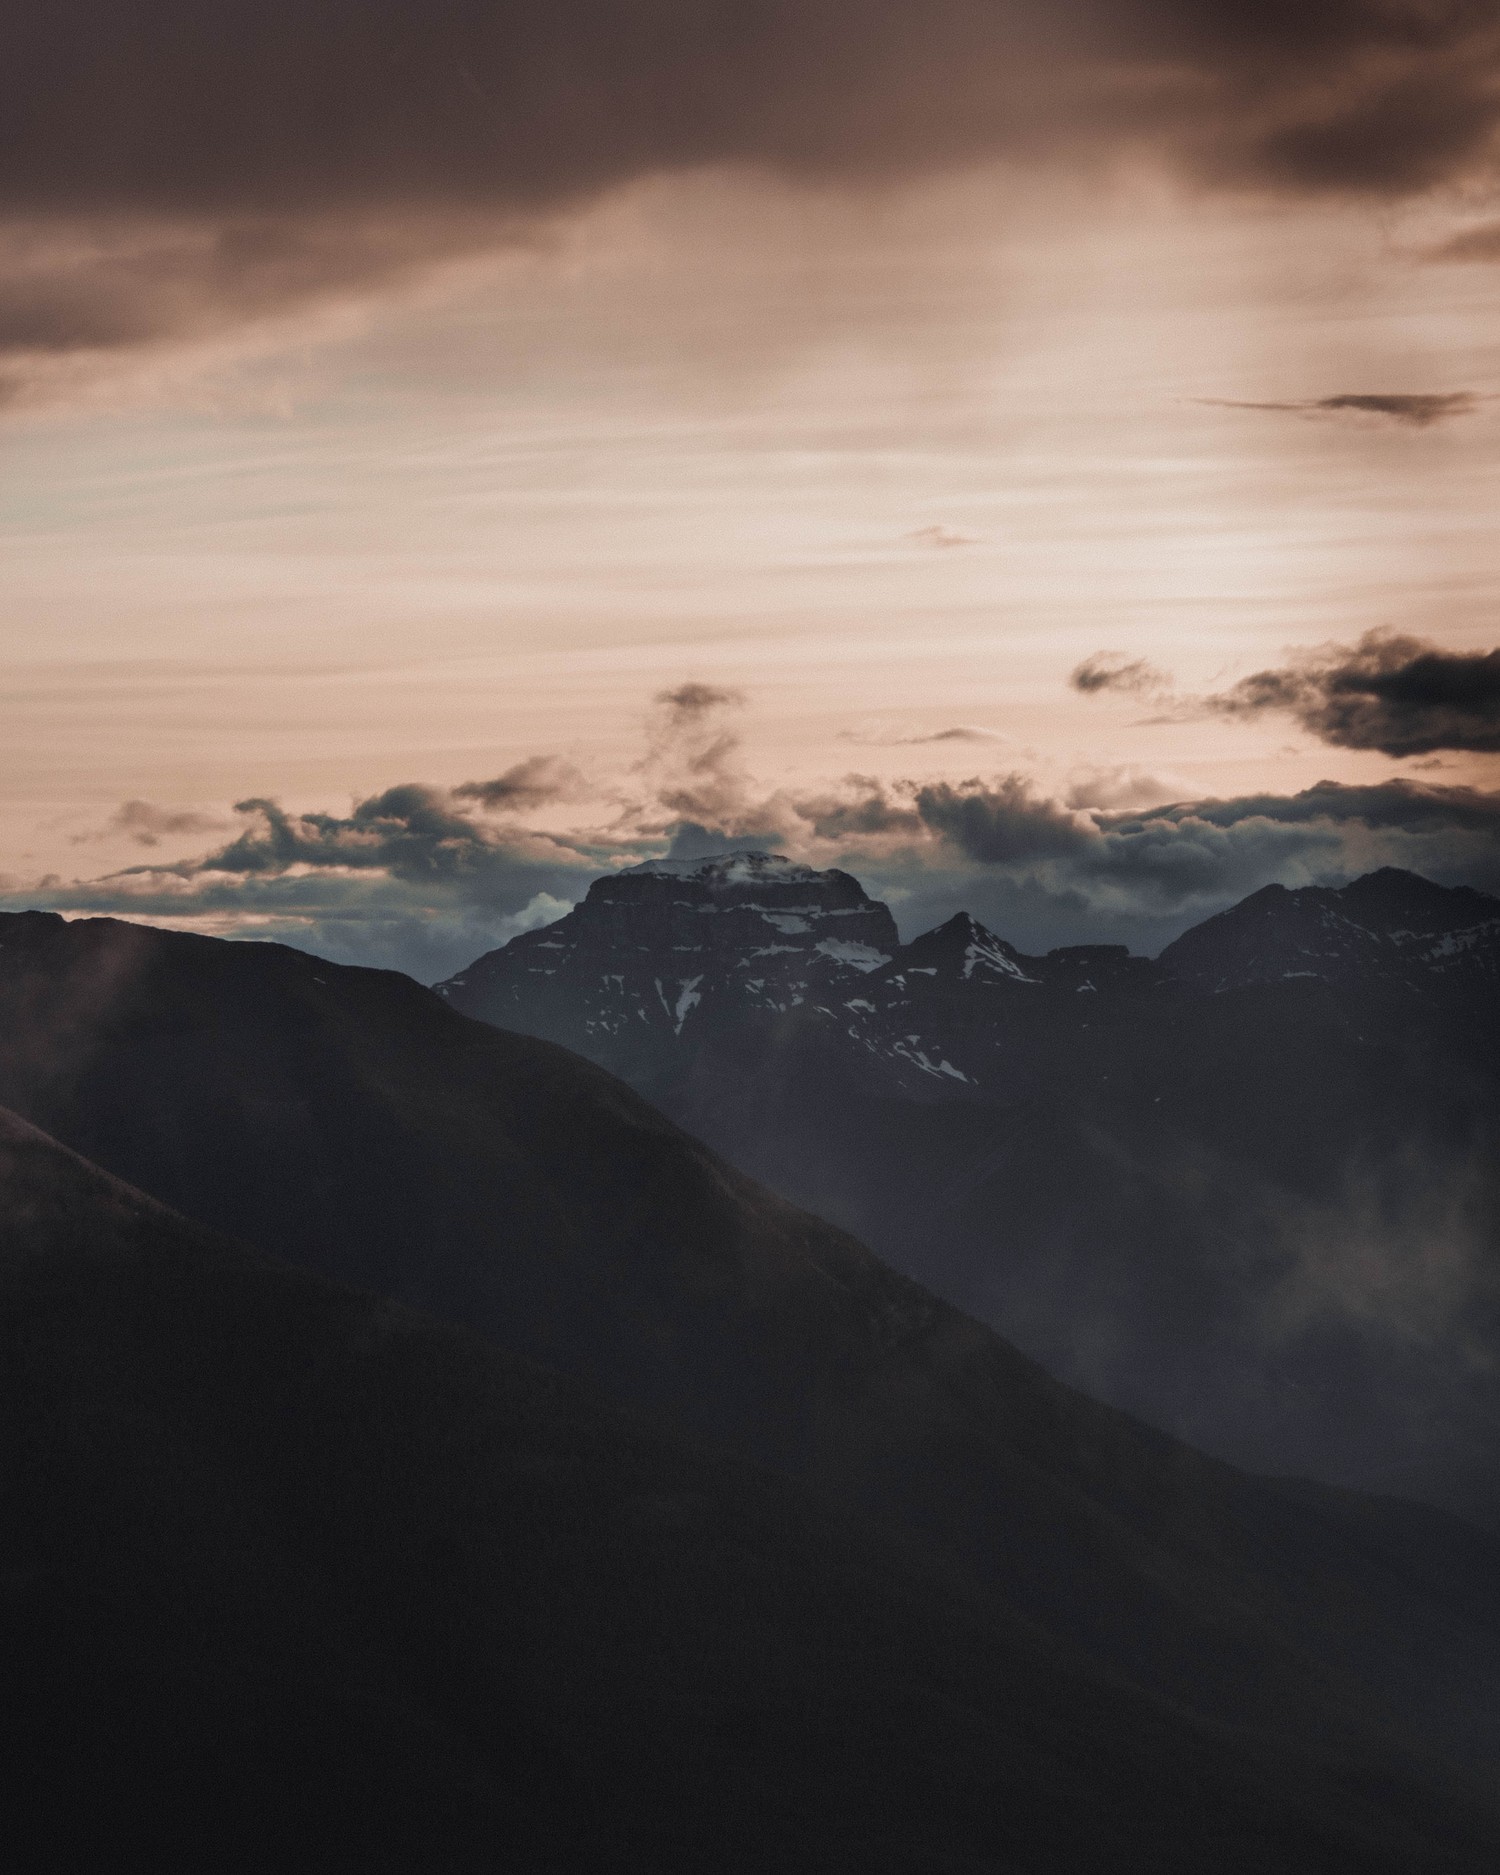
x,y
1417,410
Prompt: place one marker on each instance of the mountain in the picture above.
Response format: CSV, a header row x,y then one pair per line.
x,y
296,1578
1388,927
1250,1191
664,945
349,1122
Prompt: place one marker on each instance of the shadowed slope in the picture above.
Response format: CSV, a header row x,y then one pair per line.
x,y
346,1120
294,1578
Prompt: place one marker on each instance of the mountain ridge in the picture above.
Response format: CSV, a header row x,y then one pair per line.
x,y
1247,1191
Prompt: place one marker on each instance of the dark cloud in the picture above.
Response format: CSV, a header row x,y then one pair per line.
x,y
171,168
1399,695
529,784
1395,805
413,832
938,536
1419,410
1142,877
692,702
1114,670
1001,822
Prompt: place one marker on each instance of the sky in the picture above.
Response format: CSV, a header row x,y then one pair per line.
x,y
1040,458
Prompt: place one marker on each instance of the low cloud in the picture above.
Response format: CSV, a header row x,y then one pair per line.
x,y
1398,695
424,878
1120,787
1417,410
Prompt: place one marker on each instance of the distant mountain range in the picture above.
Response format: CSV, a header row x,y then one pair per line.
x,y
774,1560
1249,1190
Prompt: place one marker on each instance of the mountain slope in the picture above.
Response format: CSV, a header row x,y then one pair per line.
x,y
293,1578
1251,1192
347,1120
1388,927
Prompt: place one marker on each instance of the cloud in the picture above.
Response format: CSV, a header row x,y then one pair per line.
x,y
171,171
692,766
1119,787
1399,695
878,737
425,878
938,536
1002,821
147,824
1418,410
691,703
1114,670
1472,245
531,783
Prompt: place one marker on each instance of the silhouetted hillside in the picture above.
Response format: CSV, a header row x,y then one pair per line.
x,y
295,1579
350,1122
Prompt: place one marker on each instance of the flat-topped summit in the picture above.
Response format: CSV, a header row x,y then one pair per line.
x,y
657,950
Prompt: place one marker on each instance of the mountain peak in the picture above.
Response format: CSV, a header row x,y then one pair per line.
x,y
1392,898
1388,924
965,948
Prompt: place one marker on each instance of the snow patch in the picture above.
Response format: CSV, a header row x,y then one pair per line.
x,y
687,1000
857,956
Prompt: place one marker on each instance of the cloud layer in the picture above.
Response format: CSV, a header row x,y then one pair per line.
x,y
425,878
172,169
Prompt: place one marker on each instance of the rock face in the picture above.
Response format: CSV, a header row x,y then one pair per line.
x,y
661,950
1250,1191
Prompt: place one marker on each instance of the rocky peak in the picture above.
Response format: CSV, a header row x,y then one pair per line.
x,y
1389,924
964,951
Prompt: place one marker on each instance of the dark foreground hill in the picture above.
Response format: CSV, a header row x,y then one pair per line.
x,y
296,1579
348,1121
1250,1191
